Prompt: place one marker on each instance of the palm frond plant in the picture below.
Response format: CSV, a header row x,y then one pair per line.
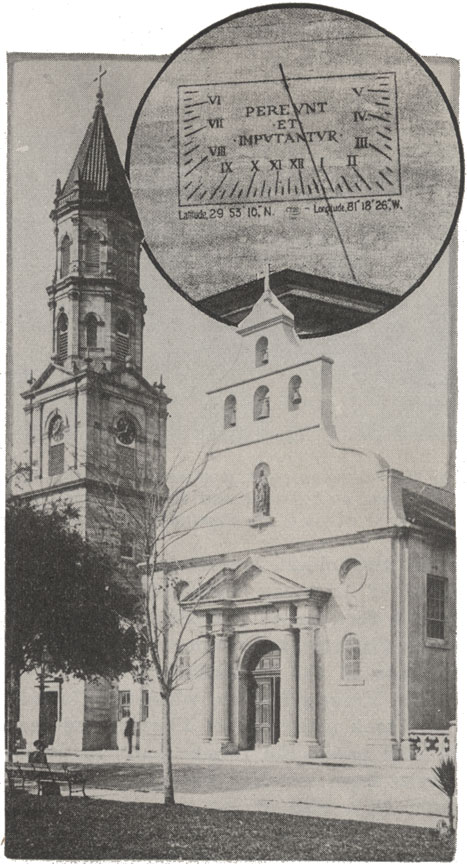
x,y
445,781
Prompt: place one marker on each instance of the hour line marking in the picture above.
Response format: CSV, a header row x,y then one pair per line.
x,y
362,179
192,118
196,166
383,105
193,104
251,184
188,184
218,187
387,156
194,192
307,143
234,188
345,181
378,117
301,181
323,169
203,194
388,168
377,91
379,184
388,147
239,194
388,137
277,183
262,188
386,178
192,150
195,132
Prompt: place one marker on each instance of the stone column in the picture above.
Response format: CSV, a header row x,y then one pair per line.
x,y
288,710
307,691
221,690
207,690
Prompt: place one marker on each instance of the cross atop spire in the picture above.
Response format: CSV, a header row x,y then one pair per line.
x,y
100,92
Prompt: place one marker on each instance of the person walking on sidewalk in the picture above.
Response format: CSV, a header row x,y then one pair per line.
x,y
129,732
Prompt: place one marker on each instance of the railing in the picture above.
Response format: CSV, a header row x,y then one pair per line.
x,y
432,744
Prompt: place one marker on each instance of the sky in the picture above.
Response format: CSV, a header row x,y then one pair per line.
x,y
390,376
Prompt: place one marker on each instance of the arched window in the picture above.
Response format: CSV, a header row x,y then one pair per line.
x,y
62,337
56,445
295,398
122,348
92,251
91,331
261,490
262,351
350,657
65,256
230,412
261,405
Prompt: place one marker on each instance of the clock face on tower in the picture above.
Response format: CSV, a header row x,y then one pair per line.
x,y
303,137
125,431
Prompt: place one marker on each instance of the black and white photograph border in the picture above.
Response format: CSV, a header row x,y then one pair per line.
x,y
393,393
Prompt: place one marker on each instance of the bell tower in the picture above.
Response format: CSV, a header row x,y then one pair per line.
x,y
97,427
97,307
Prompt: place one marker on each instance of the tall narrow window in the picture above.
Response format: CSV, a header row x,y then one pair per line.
x,y
145,705
122,348
65,256
262,356
92,251
62,337
435,607
56,446
91,331
350,657
295,397
230,412
261,406
124,704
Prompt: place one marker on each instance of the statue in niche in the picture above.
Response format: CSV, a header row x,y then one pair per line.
x,y
262,494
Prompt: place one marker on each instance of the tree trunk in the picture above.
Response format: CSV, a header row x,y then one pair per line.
x,y
451,814
167,753
12,703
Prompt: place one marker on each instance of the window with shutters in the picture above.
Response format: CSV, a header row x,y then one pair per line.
x,y
122,348
435,607
92,251
124,704
62,337
91,331
65,256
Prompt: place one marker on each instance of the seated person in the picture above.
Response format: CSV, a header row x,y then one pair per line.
x,y
38,756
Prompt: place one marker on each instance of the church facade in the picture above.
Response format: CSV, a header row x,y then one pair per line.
x,y
320,599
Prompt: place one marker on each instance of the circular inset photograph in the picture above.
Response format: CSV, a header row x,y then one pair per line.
x,y
302,141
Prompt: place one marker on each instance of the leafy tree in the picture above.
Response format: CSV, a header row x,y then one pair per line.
x,y
65,610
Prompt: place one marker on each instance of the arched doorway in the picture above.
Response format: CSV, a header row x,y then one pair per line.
x,y
262,665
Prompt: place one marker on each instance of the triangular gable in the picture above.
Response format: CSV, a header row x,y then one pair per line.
x,y
52,376
249,581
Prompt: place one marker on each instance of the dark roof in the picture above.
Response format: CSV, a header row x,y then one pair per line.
x,y
97,178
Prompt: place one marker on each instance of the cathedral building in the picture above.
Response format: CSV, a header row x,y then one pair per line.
x,y
321,597
95,423
324,591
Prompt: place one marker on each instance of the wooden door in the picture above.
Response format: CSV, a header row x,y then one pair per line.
x,y
264,711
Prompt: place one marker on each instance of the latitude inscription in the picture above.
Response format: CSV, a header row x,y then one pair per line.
x,y
241,142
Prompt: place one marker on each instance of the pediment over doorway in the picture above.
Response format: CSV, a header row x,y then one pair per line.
x,y
248,583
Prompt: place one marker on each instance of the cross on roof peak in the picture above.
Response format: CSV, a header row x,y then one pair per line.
x,y
100,92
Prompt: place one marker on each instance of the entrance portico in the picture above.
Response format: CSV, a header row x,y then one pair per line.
x,y
260,679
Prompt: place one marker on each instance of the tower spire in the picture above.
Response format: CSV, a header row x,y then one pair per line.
x,y
100,92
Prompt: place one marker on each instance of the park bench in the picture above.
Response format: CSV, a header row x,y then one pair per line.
x,y
20,774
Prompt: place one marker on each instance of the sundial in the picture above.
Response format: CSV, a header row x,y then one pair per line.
x,y
303,136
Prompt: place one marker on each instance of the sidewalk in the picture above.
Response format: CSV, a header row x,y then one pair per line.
x,y
395,793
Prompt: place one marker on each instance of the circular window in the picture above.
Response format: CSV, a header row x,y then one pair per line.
x,y
352,576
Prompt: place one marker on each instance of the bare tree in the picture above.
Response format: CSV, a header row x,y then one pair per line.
x,y
159,519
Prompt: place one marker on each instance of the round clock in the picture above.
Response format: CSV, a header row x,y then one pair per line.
x,y
302,137
125,431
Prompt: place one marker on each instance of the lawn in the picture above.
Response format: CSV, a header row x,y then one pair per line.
x,y
64,829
